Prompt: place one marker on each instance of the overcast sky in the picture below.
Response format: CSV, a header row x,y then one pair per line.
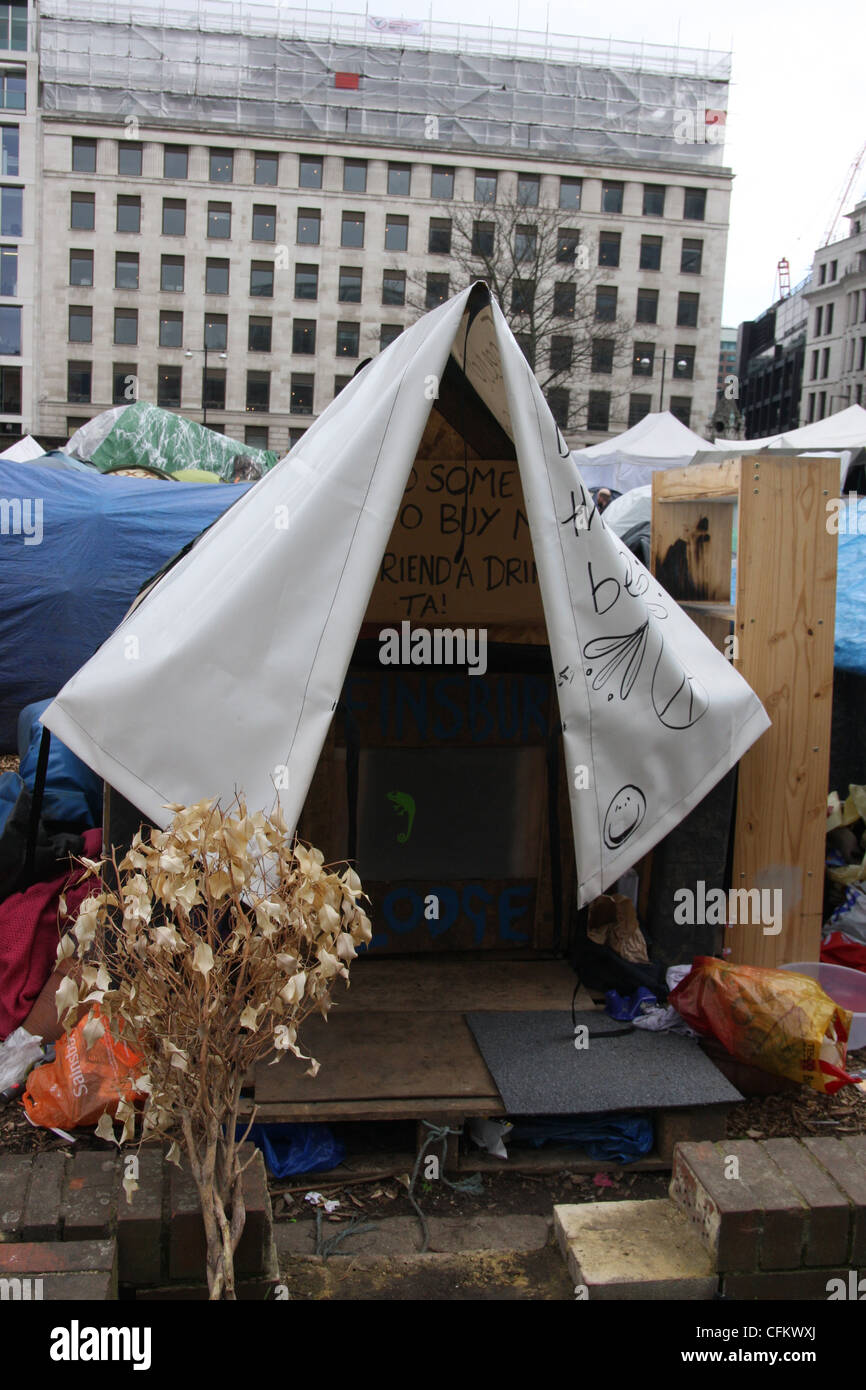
x,y
796,111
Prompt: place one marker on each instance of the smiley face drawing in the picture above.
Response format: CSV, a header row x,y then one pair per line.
x,y
624,815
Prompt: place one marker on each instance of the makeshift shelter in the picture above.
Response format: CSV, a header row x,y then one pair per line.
x,y
844,430
24,450
321,633
629,460
76,549
140,433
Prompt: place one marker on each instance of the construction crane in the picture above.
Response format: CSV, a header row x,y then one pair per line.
x,y
849,184
783,278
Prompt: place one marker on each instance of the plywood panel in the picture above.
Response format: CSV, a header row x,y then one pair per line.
x,y
786,587
701,480
692,549
410,986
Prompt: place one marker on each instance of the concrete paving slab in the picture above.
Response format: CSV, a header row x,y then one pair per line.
x,y
634,1250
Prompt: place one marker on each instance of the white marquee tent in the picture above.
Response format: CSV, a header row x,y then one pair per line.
x,y
629,460
253,630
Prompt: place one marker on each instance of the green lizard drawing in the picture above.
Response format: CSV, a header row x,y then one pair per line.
x,y
404,805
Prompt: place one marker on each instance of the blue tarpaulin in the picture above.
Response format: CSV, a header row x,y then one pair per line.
x,y
75,549
851,587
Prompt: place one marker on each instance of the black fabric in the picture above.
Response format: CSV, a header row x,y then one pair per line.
x,y
553,831
598,967
49,855
36,803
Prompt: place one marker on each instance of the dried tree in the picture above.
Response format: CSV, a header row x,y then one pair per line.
x,y
207,945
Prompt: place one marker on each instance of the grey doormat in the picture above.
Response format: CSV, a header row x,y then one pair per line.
x,y
538,1070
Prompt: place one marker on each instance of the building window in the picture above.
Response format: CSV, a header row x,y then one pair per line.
x,y
441,182
13,94
684,362
388,332
349,285
129,158
213,388
124,383
216,331
9,152
566,245
266,169
82,211
216,276
261,279
526,343
304,336
605,303
11,211
10,391
301,402
834,269
221,166
171,273
522,296
257,391
168,380
340,384
256,436
126,270
609,248
598,414
259,334
828,319
128,216
9,270
83,155
561,353
643,361
602,355
309,171
126,326
170,329
483,239
557,398
80,323
825,364
438,290
650,253
681,408
78,382
611,196
175,161
691,257
264,222
10,330
653,201
354,176
394,287
687,310
485,186
396,233
219,221
80,267
348,339
439,236
306,282
819,315
528,188
564,296
399,180
13,26
638,407
569,193
173,217
694,204
525,244
647,306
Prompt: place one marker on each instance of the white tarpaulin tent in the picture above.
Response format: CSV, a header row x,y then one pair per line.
x,y
844,430
629,460
251,633
24,451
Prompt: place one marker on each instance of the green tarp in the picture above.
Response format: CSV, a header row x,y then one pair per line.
x,y
146,434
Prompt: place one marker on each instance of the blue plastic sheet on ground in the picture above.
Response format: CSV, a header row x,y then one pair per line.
x,y
291,1149
77,548
621,1138
73,794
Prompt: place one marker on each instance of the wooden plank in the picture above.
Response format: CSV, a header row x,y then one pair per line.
x,y
455,986
691,549
699,480
786,592
708,609
395,1108
373,1055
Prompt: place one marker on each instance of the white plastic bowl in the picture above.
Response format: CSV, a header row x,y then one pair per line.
x,y
845,987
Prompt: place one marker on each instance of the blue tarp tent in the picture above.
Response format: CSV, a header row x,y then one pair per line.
x,y
75,548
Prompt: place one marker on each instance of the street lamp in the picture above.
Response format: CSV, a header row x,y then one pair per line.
x,y
189,352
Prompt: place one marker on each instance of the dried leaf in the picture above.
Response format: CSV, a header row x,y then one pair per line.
x,y
92,1031
173,1154
105,1128
250,1017
203,958
66,997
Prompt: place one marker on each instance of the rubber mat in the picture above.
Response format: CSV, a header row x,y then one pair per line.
x,y
539,1071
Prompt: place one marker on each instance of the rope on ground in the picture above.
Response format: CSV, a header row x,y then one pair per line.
x,y
356,1227
474,1184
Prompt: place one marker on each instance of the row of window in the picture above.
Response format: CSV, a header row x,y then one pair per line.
x,y
221,169
13,25
824,315
820,400
598,413
259,331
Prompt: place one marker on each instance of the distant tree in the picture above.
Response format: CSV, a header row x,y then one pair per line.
x,y
546,277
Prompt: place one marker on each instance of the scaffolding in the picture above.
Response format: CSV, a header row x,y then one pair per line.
x,y
265,68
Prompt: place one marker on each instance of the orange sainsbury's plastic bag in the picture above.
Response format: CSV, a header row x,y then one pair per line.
x,y
81,1083
775,1019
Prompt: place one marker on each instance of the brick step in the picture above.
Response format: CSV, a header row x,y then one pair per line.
x,y
775,1204
633,1250
58,1270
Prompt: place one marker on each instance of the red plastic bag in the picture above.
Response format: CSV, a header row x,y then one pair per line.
x,y
81,1083
775,1019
